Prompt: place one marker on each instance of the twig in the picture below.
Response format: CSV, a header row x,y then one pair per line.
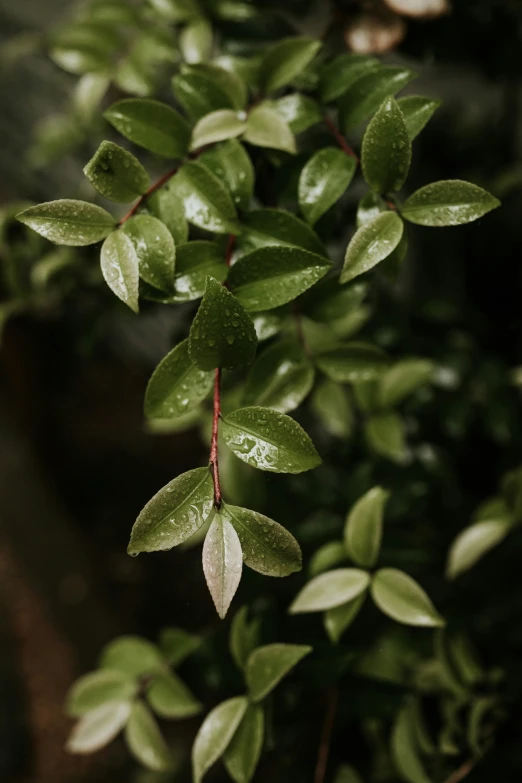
x,y
214,463
326,736
332,127
155,186
461,772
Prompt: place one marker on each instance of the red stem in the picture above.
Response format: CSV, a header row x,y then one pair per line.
x,y
326,736
214,464
230,248
332,127
155,186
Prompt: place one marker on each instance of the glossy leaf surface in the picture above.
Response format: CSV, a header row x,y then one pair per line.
x,y
116,173
267,666
266,128
386,149
155,249
217,126
373,242
151,124
323,181
195,262
69,222
417,112
284,60
353,362
401,598
331,589
448,203
281,377
363,530
222,562
231,164
215,734
120,268
366,94
473,543
206,201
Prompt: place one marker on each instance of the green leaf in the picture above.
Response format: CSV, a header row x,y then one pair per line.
x,y
346,774
298,111
242,755
217,126
195,262
331,589
353,362
363,529
281,377
268,227
231,164
222,333
206,201
97,688
169,697
176,645
402,379
367,93
385,435
330,301
343,71
265,128
215,734
224,81
401,598
99,727
268,440
332,406
286,59
151,124
175,513
448,203
473,543
370,206
326,557
386,149
268,547
195,41
269,323
267,666
68,222
164,205
417,112
155,249
405,749
323,181
176,386
371,244
176,10
144,740
244,636
116,173
222,562
338,619
131,655
272,276
120,268
198,94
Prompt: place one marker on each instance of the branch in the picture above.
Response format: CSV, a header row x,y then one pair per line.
x,y
332,127
461,772
161,181
214,461
326,736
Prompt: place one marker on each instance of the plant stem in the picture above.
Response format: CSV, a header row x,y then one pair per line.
x,y
332,127
230,249
326,735
214,462
461,772
155,186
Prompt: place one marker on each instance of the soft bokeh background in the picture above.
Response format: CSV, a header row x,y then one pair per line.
x,y
77,462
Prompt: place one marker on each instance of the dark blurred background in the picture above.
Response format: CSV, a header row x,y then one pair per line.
x,y
77,462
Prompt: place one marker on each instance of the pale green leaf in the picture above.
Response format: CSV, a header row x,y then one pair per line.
x,y
155,249
69,222
353,362
286,59
97,688
323,181
367,93
267,666
326,557
222,562
151,124
215,734
363,529
217,126
176,386
401,598
269,440
386,149
120,268
242,755
144,739
131,655
402,379
195,41
175,513
99,727
331,589
177,644
448,203
338,619
473,543
222,333
405,750
267,546
164,205
265,128
372,243
331,404
116,173
206,201
169,697
385,435
298,111
281,377
417,111
198,94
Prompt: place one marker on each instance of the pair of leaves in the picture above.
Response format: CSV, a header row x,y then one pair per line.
x,y
262,127
234,730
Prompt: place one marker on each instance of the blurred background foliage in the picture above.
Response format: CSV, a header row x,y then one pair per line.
x,y
77,461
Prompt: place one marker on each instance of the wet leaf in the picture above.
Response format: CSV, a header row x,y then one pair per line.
x,y
363,529
231,164
164,205
132,656
323,181
206,201
195,262
217,126
268,547
120,268
265,128
268,440
298,111
154,248
222,562
386,149
145,741
268,227
116,173
372,243
448,203
331,589
69,222
401,598
175,513
366,94
215,734
267,666
281,377
242,755
151,124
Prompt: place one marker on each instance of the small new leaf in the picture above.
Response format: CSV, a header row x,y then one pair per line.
x,y
222,562
448,203
151,124
323,181
144,739
338,619
268,440
195,262
215,734
217,126
169,697
244,636
401,598
116,173
473,543
175,513
265,128
331,589
386,149
132,656
164,205
69,222
267,666
363,530
372,243
222,333
230,163
99,727
417,112
97,688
